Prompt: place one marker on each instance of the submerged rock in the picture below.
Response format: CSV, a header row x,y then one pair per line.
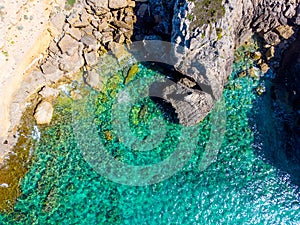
x,y
92,78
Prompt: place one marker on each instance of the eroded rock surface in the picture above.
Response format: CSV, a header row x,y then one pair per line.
x,y
209,46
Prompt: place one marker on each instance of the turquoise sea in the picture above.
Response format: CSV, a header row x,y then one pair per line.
x,y
240,187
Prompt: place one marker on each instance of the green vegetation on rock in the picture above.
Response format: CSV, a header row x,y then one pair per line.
x,y
219,33
206,12
71,2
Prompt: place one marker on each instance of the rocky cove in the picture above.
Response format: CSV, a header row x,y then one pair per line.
x,y
209,32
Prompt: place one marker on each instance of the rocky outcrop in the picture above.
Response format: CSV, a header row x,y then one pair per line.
x,y
210,41
91,28
24,37
206,31
59,46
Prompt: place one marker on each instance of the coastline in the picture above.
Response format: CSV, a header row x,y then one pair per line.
x,y
24,40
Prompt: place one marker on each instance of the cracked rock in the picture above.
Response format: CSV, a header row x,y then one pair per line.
x,y
91,58
68,45
74,33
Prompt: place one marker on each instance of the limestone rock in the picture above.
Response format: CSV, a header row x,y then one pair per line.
x,y
56,24
90,41
107,37
49,67
74,33
122,24
43,113
92,78
270,53
73,19
285,31
48,92
103,25
68,45
120,38
91,58
207,59
271,38
117,4
191,106
71,63
119,51
131,3
98,4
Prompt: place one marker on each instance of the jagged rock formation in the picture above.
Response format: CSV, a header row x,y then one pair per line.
x,y
210,41
207,31
91,29
69,40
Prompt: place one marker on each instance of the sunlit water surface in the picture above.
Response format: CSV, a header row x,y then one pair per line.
x,y
238,188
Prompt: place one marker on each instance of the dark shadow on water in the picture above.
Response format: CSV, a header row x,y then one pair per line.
x,y
273,139
276,117
156,89
167,110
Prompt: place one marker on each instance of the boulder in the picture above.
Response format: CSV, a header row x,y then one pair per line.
x,y
122,24
98,4
74,33
43,113
191,105
117,4
91,58
285,31
92,78
71,63
50,66
119,51
68,45
270,53
90,41
271,38
48,92
56,24
107,37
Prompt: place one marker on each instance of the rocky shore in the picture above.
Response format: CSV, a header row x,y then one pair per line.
x,y
208,32
69,40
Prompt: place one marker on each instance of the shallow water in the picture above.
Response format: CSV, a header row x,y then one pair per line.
x,y
239,187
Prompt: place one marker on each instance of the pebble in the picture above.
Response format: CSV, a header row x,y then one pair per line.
x,y
4,185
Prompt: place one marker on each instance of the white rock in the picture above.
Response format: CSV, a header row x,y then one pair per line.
x,y
68,45
117,4
47,92
43,113
4,185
